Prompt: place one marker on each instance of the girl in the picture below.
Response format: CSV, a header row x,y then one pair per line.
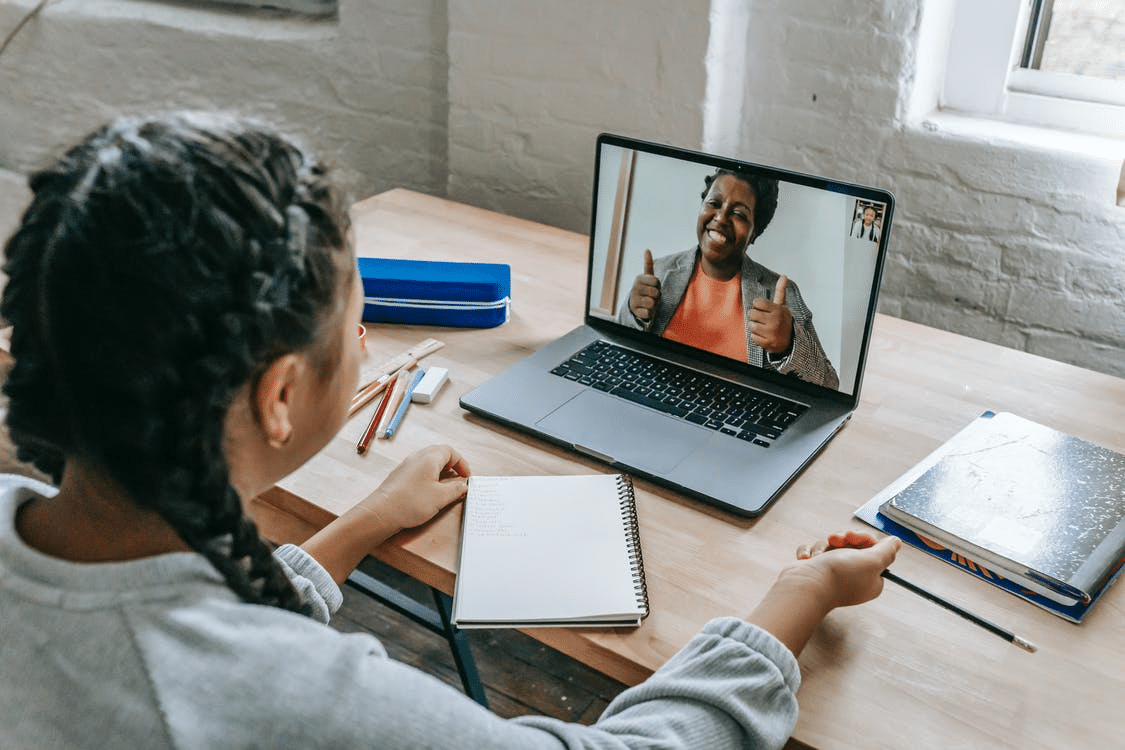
x,y
184,298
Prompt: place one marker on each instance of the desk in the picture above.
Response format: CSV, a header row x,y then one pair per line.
x,y
895,672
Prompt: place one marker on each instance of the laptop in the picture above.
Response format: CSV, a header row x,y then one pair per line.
x,y
665,378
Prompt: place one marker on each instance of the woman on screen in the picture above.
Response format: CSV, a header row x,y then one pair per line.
x,y
715,297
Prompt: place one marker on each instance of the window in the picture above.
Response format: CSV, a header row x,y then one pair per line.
x,y
1081,37
1057,63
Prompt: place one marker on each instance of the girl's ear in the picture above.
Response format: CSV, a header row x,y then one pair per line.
x,y
273,399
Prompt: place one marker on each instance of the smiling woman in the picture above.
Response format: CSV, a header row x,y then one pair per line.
x,y
714,296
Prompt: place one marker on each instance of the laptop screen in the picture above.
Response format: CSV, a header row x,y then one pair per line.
x,y
771,269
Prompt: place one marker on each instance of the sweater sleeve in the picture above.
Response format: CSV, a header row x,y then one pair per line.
x,y
320,594
732,686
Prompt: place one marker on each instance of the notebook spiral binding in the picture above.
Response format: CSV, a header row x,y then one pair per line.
x,y
633,533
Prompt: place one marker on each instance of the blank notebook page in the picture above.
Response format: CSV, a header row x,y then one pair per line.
x,y
545,548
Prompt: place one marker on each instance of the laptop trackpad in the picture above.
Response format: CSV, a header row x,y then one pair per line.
x,y
620,431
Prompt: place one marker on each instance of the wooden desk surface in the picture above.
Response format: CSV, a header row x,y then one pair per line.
x,y
895,672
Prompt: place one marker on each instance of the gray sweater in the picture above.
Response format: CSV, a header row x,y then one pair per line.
x,y
158,653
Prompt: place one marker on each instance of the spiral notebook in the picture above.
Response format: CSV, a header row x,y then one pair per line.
x,y
550,551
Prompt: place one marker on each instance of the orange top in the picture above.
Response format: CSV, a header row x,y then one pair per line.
x,y
710,316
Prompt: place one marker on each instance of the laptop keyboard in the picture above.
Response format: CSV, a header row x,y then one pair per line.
x,y
708,401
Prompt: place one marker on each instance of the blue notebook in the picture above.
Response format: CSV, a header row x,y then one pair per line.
x,y
1031,510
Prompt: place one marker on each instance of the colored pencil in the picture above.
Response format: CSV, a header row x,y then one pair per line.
x,y
398,390
369,433
401,411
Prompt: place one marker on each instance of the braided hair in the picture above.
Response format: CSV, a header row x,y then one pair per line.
x,y
765,195
162,264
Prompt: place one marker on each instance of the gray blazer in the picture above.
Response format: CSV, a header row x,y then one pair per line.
x,y
807,359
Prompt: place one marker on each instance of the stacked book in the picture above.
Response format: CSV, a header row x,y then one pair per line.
x,y
1029,509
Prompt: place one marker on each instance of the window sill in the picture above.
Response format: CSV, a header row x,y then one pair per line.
x,y
1017,134
1095,148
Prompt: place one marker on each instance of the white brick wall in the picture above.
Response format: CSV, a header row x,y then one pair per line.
x,y
496,103
368,90
532,84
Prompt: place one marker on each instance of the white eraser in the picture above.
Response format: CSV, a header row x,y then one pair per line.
x,y
429,385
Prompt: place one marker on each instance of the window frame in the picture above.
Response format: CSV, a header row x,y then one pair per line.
x,y
984,76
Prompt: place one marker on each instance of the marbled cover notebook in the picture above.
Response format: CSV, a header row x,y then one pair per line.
x,y
1041,507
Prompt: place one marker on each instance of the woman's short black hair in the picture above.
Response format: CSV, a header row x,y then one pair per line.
x,y
162,264
765,194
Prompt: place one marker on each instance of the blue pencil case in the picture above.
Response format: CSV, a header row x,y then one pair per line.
x,y
426,292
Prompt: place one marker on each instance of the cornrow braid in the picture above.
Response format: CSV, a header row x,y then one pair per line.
x,y
195,250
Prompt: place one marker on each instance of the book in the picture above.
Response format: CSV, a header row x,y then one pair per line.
x,y
1033,510
539,551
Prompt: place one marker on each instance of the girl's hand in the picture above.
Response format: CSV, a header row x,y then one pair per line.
x,y
841,570
420,487
413,493
851,573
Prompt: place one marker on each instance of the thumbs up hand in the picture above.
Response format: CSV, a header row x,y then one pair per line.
x,y
645,294
779,290
771,323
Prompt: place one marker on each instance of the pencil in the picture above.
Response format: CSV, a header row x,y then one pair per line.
x,y
376,386
369,391
1009,636
369,433
393,401
400,412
